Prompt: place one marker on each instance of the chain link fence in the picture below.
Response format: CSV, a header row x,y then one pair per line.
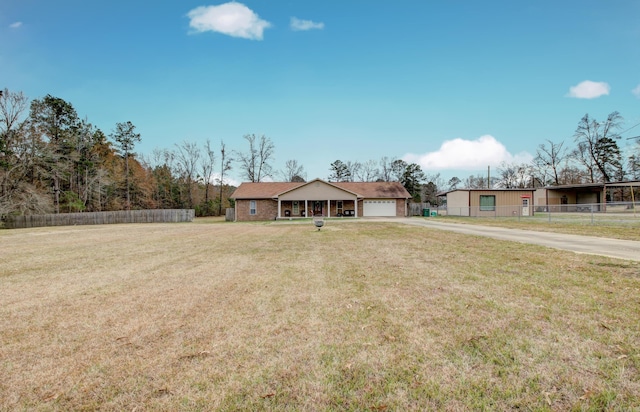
x,y
623,213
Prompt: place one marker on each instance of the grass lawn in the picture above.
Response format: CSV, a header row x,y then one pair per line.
x,y
367,316
610,226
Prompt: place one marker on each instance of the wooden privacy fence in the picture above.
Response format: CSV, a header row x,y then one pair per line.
x,y
418,209
101,218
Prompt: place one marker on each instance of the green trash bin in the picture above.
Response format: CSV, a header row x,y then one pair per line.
x,y
425,212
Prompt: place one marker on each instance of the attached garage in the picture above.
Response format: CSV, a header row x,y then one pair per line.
x,y
291,200
379,207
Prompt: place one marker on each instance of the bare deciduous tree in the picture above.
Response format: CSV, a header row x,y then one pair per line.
x,y
436,179
207,164
225,166
581,156
570,175
12,109
514,175
187,158
597,141
386,168
353,168
634,164
255,163
293,171
368,171
477,182
549,159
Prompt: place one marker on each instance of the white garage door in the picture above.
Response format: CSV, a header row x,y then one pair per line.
x,y
380,207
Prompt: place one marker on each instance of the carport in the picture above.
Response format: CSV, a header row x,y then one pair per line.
x,y
594,196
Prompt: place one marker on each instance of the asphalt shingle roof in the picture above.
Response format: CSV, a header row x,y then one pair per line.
x,y
270,190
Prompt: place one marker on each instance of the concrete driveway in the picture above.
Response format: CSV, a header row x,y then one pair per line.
x,y
620,249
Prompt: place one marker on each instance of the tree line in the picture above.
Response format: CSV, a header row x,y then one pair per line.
x,y
421,186
595,157
52,161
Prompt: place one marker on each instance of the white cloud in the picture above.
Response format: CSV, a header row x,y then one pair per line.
x,y
15,25
233,19
460,154
303,25
636,91
215,179
589,90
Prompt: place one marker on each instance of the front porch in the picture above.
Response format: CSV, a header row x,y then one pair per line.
x,y
298,209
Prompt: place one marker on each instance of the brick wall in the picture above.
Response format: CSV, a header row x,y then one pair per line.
x,y
266,209
401,210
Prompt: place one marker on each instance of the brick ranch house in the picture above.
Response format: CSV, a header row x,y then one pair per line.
x,y
288,200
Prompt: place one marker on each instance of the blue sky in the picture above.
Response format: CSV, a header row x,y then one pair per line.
x,y
452,85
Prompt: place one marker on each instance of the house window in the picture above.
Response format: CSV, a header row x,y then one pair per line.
x,y
488,203
339,206
296,208
252,207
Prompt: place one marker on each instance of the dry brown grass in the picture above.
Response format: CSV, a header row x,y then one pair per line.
x,y
368,316
627,229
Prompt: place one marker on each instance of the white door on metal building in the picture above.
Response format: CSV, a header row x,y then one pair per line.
x,y
379,207
525,206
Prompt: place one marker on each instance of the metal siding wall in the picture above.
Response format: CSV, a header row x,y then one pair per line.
x,y
458,203
508,203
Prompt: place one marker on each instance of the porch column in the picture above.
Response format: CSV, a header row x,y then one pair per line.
x,y
279,208
356,206
306,208
329,208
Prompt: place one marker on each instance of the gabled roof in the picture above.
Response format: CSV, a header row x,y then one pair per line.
x,y
317,180
393,190
263,190
271,190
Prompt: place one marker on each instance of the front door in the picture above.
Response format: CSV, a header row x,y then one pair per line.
x,y
317,208
525,206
